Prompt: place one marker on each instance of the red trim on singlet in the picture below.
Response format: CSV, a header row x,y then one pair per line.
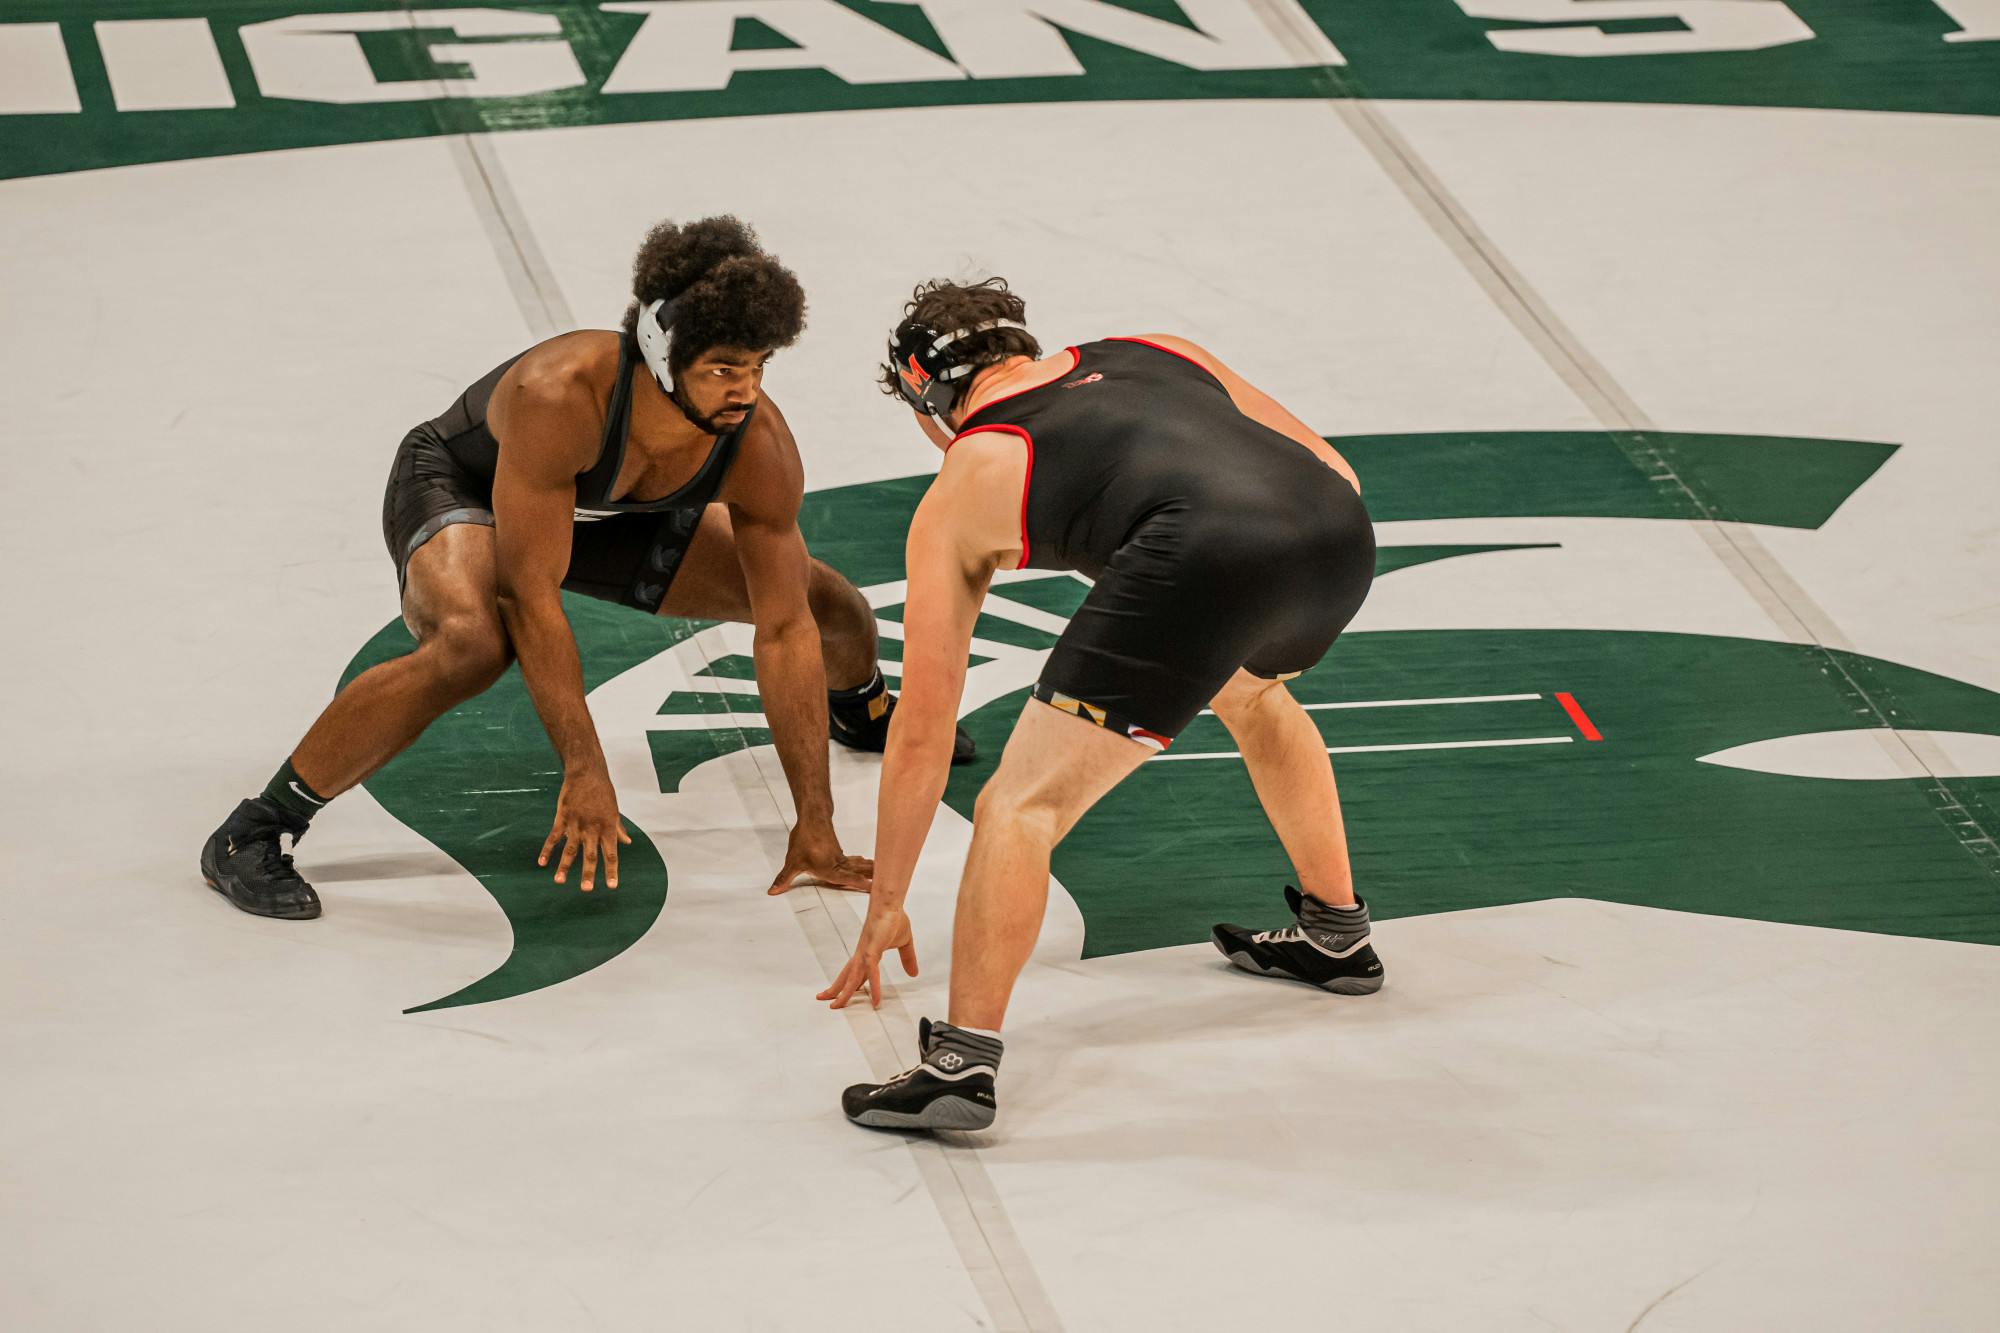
x,y
1158,347
1075,360
1026,480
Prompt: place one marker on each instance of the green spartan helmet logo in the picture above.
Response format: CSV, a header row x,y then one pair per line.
x,y
1478,767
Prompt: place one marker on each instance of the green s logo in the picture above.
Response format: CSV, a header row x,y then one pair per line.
x,y
1718,773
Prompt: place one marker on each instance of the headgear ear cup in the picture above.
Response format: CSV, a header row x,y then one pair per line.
x,y
654,329
927,375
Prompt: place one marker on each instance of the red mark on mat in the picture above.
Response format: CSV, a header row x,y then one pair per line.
x,y
1576,715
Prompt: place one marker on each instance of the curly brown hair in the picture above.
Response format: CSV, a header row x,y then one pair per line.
x,y
728,292
946,305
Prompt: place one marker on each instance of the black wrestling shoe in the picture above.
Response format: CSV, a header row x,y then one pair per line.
x,y
951,1089
1325,947
863,724
243,863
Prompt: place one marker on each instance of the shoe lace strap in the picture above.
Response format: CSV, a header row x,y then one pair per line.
x,y
277,863
894,1082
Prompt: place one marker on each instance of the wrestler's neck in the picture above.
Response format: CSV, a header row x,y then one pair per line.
x,y
1004,377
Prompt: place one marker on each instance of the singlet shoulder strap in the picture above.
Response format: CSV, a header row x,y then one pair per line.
x,y
594,485
1165,350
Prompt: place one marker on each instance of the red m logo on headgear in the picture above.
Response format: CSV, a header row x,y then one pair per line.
x,y
915,376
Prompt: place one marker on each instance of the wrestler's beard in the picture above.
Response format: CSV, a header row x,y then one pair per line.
x,y
706,425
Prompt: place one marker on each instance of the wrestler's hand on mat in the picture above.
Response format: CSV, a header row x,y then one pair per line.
x,y
814,857
886,928
587,822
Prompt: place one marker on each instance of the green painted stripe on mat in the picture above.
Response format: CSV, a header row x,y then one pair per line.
x,y
1887,55
1779,480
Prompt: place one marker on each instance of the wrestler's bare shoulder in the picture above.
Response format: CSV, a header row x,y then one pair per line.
x,y
579,364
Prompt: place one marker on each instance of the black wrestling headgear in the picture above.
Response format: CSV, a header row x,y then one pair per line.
x,y
928,375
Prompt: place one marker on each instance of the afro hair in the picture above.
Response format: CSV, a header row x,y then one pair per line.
x,y
728,291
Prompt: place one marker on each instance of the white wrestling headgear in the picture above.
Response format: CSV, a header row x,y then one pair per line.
x,y
654,329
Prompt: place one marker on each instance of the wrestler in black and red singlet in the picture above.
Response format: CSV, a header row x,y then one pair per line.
x,y
1228,548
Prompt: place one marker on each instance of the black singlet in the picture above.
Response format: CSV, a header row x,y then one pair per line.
x,y
462,433
1214,542
624,551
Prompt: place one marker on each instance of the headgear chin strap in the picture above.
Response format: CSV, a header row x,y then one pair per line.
x,y
928,376
654,329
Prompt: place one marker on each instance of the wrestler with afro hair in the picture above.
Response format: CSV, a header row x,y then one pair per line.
x,y
727,291
647,468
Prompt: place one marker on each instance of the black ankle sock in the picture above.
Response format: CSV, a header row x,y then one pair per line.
x,y
866,693
289,792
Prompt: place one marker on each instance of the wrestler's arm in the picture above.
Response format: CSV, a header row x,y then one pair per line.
x,y
967,526
765,488
544,416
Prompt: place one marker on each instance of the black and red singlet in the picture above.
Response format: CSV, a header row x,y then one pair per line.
x,y
1214,542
